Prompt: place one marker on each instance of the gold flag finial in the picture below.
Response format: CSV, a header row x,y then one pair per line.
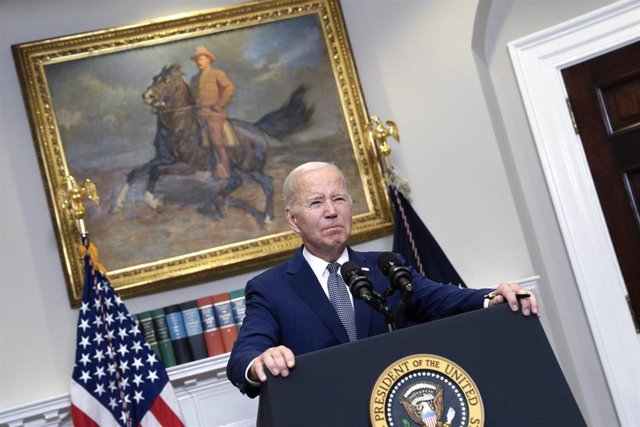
x,y
378,135
72,199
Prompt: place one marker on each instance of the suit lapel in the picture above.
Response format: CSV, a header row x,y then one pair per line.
x,y
305,284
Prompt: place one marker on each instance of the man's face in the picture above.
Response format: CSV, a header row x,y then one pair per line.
x,y
203,62
322,212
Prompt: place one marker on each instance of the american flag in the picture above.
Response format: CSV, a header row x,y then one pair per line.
x,y
117,379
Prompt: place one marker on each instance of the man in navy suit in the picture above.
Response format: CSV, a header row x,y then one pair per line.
x,y
288,311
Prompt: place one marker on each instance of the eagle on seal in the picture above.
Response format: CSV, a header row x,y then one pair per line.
x,y
424,403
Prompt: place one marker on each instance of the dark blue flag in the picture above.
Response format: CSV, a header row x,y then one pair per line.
x,y
414,242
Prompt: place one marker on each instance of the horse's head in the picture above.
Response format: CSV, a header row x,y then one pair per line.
x,y
164,87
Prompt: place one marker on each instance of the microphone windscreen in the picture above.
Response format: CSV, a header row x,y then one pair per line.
x,y
386,258
347,268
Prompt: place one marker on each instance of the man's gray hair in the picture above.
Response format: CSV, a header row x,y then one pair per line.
x,y
289,190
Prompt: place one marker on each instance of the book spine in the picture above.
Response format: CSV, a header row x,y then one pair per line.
x,y
164,340
178,333
212,335
226,322
193,326
145,323
238,306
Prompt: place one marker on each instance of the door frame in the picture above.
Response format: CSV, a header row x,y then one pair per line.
x,y
537,60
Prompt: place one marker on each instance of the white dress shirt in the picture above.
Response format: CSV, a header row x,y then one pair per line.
x,y
319,267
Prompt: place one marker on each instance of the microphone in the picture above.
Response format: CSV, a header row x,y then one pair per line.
x,y
359,284
361,287
397,273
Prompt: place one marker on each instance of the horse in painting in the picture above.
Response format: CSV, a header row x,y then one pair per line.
x,y
180,148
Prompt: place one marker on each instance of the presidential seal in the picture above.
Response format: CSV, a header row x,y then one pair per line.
x,y
425,390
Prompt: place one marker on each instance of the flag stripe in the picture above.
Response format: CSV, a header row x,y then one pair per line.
x,y
149,421
80,419
89,414
163,412
169,398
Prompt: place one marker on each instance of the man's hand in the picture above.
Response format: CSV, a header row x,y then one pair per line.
x,y
512,294
278,360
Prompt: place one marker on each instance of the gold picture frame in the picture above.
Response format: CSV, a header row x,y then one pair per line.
x,y
96,112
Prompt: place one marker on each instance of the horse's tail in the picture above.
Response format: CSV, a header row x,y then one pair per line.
x,y
291,117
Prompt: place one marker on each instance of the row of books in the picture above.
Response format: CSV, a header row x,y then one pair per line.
x,y
194,330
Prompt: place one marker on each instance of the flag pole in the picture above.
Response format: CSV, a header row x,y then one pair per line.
x,y
378,134
72,196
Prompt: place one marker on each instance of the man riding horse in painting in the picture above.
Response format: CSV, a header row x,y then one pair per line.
x,y
183,144
213,91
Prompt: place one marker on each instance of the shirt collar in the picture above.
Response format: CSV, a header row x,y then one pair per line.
x,y
318,265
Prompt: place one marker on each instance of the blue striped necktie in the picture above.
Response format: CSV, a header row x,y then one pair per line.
x,y
339,297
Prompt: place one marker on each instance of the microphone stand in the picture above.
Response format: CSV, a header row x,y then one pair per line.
x,y
378,303
404,299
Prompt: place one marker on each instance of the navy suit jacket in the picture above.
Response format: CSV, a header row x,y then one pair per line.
x,y
286,305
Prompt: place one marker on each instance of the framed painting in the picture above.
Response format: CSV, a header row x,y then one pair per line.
x,y
188,126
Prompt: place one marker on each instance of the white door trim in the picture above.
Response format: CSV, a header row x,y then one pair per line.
x,y
537,60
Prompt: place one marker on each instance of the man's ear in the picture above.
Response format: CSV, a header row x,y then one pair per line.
x,y
291,218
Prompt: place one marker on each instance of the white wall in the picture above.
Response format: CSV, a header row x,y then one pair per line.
x,y
466,150
417,67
